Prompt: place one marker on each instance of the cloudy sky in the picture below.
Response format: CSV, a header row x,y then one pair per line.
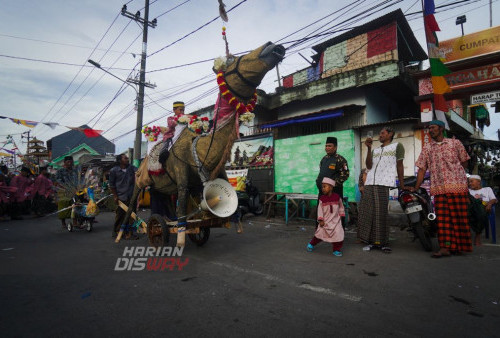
x,y
45,46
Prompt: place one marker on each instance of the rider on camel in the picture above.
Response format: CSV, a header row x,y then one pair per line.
x,y
178,108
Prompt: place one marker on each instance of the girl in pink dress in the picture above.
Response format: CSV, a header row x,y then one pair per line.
x,y
330,209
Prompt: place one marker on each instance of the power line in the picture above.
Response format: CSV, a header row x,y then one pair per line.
x,y
81,67
171,9
56,43
88,74
52,62
196,30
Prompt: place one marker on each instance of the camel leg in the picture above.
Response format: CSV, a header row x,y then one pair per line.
x,y
131,207
182,191
182,178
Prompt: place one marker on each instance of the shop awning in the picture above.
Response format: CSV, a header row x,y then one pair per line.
x,y
327,114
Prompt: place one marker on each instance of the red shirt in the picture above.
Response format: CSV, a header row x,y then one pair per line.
x,y
444,162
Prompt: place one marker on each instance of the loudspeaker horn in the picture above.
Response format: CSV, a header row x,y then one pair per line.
x,y
219,197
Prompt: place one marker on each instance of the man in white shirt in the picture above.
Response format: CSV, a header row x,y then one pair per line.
x,y
489,200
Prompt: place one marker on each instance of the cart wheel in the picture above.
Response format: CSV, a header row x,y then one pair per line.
x,y
158,232
202,237
69,226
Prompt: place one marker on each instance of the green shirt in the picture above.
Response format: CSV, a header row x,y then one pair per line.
x,y
334,167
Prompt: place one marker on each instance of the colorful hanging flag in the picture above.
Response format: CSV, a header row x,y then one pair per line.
x,y
51,124
5,154
438,69
9,151
92,132
26,123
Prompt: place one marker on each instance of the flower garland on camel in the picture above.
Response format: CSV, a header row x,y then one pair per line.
x,y
195,123
244,111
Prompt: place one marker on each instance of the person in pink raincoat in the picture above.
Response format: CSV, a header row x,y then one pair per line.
x,y
24,185
6,195
330,209
43,190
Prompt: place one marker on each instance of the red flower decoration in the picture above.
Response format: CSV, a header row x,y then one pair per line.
x,y
240,107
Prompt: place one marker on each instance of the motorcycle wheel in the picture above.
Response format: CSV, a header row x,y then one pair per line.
x,y
423,236
259,210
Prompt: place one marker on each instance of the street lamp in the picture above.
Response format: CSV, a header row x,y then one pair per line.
x,y
138,136
460,21
97,65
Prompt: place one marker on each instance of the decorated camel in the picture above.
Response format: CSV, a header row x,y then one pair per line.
x,y
195,159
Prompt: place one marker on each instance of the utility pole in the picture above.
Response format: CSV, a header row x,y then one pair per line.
x,y
142,76
491,14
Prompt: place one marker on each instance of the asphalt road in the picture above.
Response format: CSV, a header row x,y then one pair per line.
x,y
259,283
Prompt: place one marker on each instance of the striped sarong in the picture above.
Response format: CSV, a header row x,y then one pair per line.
x,y
453,221
372,220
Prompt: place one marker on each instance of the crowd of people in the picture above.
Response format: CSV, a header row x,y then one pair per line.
x,y
463,208
24,192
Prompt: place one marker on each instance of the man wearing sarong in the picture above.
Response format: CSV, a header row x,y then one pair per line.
x,y
67,176
384,164
446,159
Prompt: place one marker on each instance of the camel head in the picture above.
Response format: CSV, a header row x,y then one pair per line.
x,y
244,73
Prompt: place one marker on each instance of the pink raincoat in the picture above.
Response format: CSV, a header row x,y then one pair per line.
x,y
43,186
330,209
24,186
5,190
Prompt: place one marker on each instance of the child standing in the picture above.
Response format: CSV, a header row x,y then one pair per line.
x,y
330,209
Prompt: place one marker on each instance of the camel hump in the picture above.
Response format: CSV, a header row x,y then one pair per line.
x,y
142,178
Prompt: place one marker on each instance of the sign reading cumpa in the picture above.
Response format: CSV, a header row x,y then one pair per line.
x,y
485,97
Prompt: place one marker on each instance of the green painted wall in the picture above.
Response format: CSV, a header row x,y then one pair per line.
x,y
297,162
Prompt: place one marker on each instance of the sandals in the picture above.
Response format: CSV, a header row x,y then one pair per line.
x,y
310,247
386,249
337,253
440,254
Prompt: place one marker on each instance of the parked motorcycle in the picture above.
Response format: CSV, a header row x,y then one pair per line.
x,y
249,200
420,212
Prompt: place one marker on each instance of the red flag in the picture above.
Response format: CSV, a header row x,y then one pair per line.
x,y
440,103
92,132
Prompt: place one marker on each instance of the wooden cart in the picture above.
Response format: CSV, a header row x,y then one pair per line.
x,y
159,229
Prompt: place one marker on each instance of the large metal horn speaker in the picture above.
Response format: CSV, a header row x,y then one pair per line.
x,y
219,197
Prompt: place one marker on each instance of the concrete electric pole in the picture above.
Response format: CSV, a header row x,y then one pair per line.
x,y
142,76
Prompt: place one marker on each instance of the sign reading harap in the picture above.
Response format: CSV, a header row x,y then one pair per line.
x,y
485,97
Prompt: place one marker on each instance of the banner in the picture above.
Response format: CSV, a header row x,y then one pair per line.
x,y
237,178
255,152
297,162
470,45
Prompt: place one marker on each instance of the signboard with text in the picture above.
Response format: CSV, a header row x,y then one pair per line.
x,y
465,78
484,42
485,97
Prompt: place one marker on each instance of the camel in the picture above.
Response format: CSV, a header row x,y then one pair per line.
x,y
186,170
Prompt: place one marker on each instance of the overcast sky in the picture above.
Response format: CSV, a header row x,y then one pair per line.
x,y
67,33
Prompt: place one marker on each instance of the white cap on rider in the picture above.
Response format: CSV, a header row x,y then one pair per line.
x,y
475,177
